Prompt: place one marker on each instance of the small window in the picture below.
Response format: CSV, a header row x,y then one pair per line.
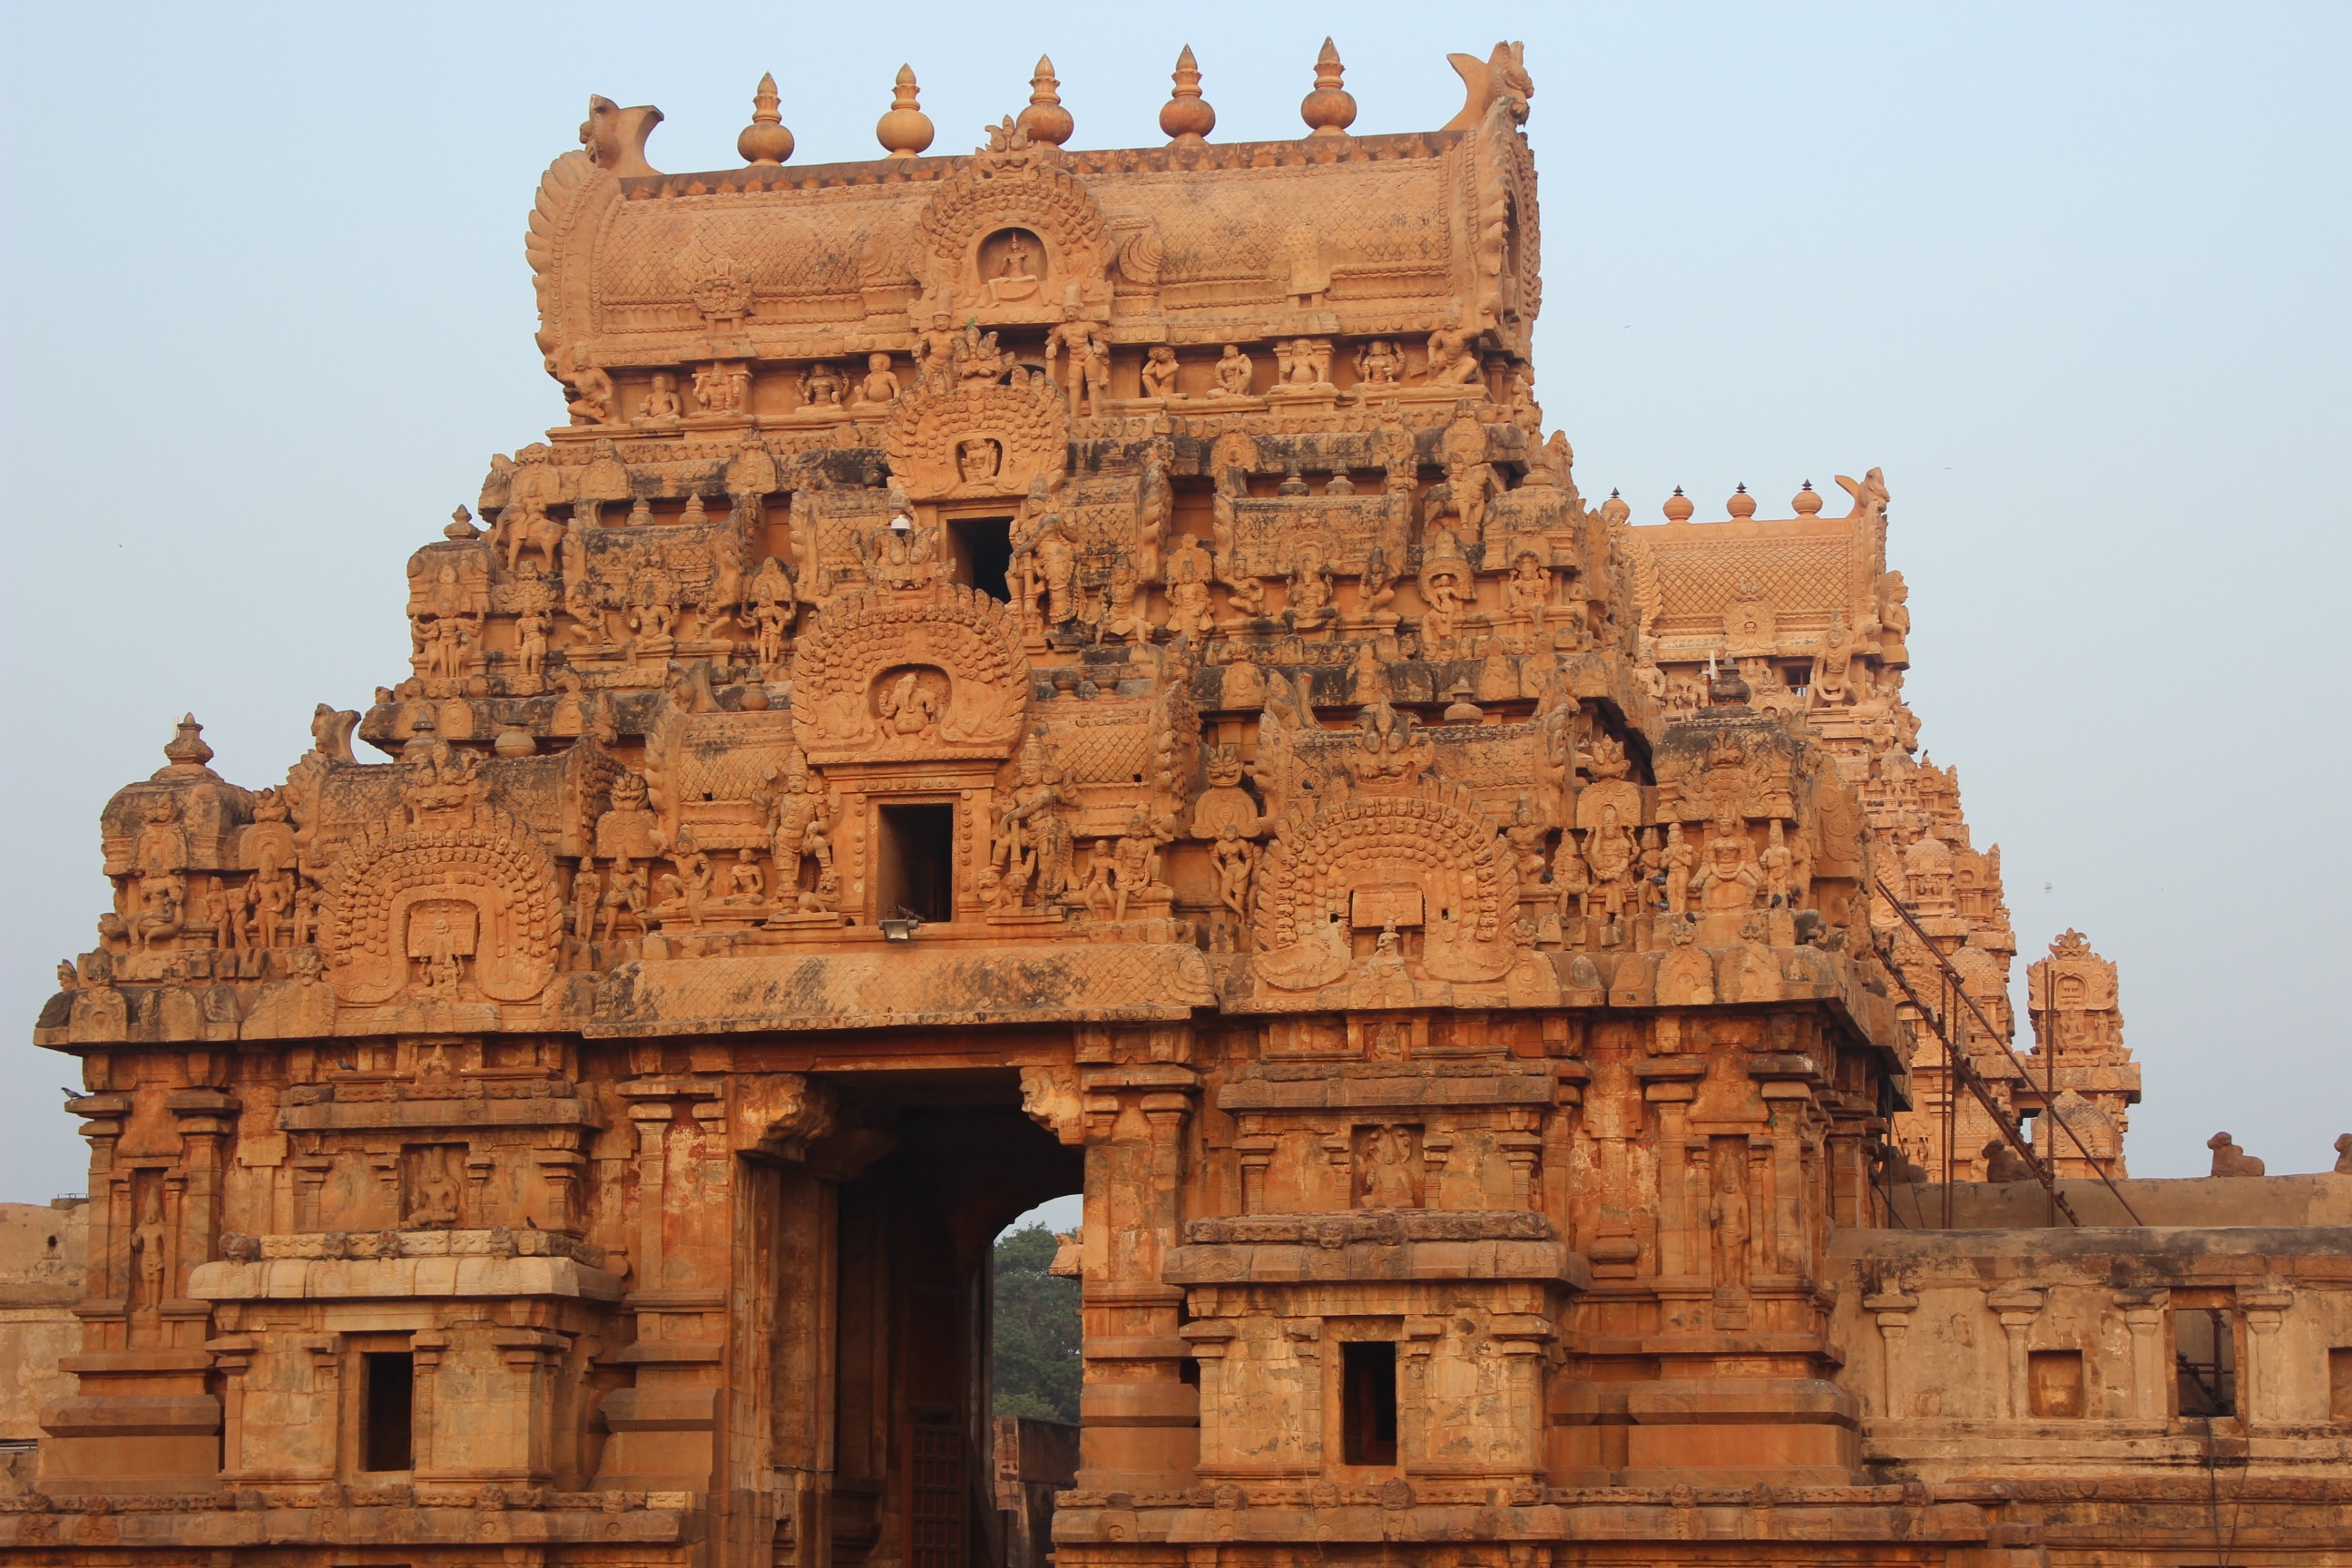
x,y
917,862
2204,1358
2053,1380
1799,676
1368,1414
390,1396
2339,1385
983,554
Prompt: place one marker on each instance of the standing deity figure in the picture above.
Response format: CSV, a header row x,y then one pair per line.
x,y
1682,864
624,888
1057,570
1778,864
1728,1215
531,643
1234,860
147,1251
796,824
1189,569
935,348
1031,836
1528,589
772,604
1570,880
1387,1180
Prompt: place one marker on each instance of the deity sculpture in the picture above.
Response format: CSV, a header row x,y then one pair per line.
x,y
661,404
1159,372
1378,364
879,385
1233,372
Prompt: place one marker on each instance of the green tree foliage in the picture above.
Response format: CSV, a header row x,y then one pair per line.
x,y
1036,1353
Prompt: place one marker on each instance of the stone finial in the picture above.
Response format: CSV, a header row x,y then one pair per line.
x,y
187,748
460,525
1808,501
1186,116
1045,119
1741,506
765,140
1330,109
906,130
1678,508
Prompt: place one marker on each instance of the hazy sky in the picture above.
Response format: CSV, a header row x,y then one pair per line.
x,y
2074,275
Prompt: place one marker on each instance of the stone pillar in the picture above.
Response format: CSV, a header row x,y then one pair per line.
x,y
1139,1419
1892,1310
2261,1386
2017,1309
2151,1380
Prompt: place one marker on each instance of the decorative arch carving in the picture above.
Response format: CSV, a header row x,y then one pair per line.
x,y
1436,839
1013,186
930,422
491,865
839,689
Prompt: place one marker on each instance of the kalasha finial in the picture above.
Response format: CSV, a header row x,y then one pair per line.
x,y
1330,109
1741,505
765,140
1678,508
1045,119
1807,502
906,130
460,525
1186,116
186,749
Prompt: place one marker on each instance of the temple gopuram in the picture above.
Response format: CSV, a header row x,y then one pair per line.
x,y
1044,671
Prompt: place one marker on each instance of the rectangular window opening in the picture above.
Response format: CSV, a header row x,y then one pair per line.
x,y
390,1394
917,862
2339,1385
2205,1359
1368,1402
983,554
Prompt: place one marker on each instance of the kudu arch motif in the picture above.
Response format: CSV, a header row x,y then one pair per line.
x,y
1465,947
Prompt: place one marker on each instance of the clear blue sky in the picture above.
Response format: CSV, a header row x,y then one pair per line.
x,y
2075,275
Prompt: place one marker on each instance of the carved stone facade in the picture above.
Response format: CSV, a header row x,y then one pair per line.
x,y
1168,727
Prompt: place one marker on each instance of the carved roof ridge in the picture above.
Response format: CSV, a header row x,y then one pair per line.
x,y
1216,158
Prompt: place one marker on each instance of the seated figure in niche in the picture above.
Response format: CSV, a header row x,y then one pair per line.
x,y
1013,280
1233,372
880,384
978,460
820,387
1310,607
1528,589
1378,364
908,707
1159,372
662,405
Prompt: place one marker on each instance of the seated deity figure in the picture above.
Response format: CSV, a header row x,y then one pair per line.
x,y
1159,372
1728,875
1378,364
880,384
1527,591
1233,372
820,387
662,405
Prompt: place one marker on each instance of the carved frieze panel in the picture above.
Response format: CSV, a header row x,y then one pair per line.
x,y
950,438
929,674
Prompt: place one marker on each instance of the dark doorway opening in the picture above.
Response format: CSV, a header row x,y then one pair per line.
x,y
390,1401
917,867
1368,1402
983,552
